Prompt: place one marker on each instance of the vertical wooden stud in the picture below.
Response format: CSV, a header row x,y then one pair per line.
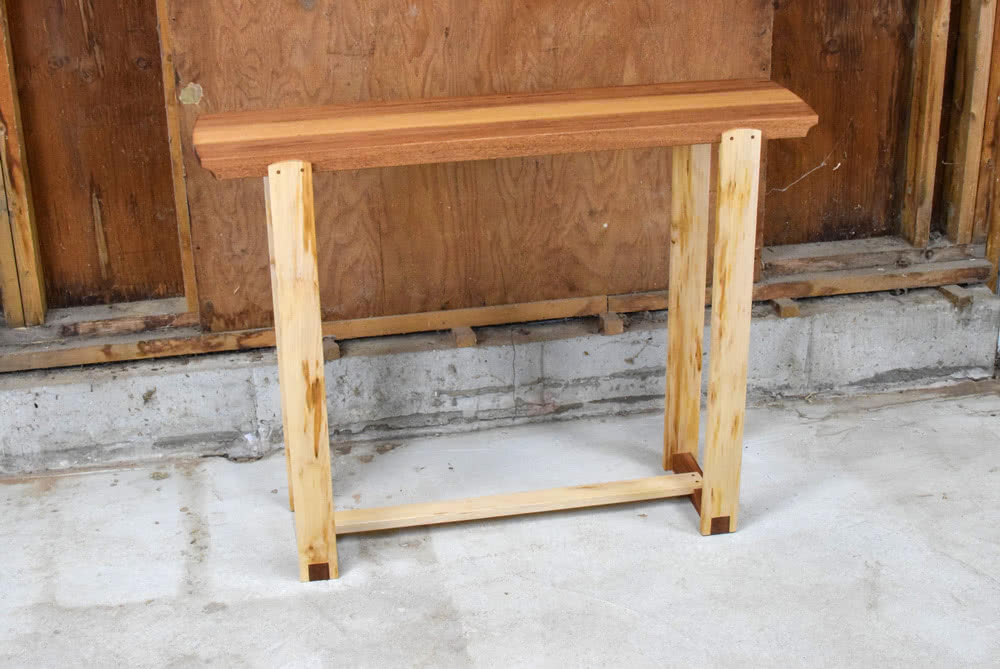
x,y
975,50
10,287
689,214
926,105
177,157
991,146
732,299
299,337
993,242
17,184
987,222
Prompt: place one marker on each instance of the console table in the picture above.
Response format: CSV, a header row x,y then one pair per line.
x,y
286,146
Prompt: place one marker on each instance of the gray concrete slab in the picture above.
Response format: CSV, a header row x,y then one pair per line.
x,y
870,536
400,387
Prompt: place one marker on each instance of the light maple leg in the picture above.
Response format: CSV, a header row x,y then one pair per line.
x,y
277,333
686,315
732,299
299,336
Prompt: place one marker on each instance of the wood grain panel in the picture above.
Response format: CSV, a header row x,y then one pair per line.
x,y
399,240
852,62
91,92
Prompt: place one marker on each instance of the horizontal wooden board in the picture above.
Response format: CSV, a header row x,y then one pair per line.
x,y
843,282
19,354
517,504
440,130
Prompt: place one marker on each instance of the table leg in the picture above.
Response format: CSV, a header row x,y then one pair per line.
x,y
277,332
295,276
686,315
732,299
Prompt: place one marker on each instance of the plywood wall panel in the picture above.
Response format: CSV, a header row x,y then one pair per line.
x,y
851,61
448,236
91,93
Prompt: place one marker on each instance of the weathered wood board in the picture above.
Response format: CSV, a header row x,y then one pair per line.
x,y
425,238
852,62
91,95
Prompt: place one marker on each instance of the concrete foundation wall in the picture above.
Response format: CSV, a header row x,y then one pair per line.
x,y
393,387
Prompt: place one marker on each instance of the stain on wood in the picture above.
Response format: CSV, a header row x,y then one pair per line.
x,y
89,79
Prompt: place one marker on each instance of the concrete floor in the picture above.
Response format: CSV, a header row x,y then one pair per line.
x,y
870,537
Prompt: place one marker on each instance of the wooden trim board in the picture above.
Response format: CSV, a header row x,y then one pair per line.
x,y
517,504
172,107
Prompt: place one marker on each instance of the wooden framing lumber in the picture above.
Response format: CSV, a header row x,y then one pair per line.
x,y
517,504
292,235
474,317
10,286
878,252
611,324
786,307
129,325
17,184
172,105
825,284
871,281
732,298
993,248
975,49
464,336
957,295
691,180
989,177
387,134
987,218
16,356
926,105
